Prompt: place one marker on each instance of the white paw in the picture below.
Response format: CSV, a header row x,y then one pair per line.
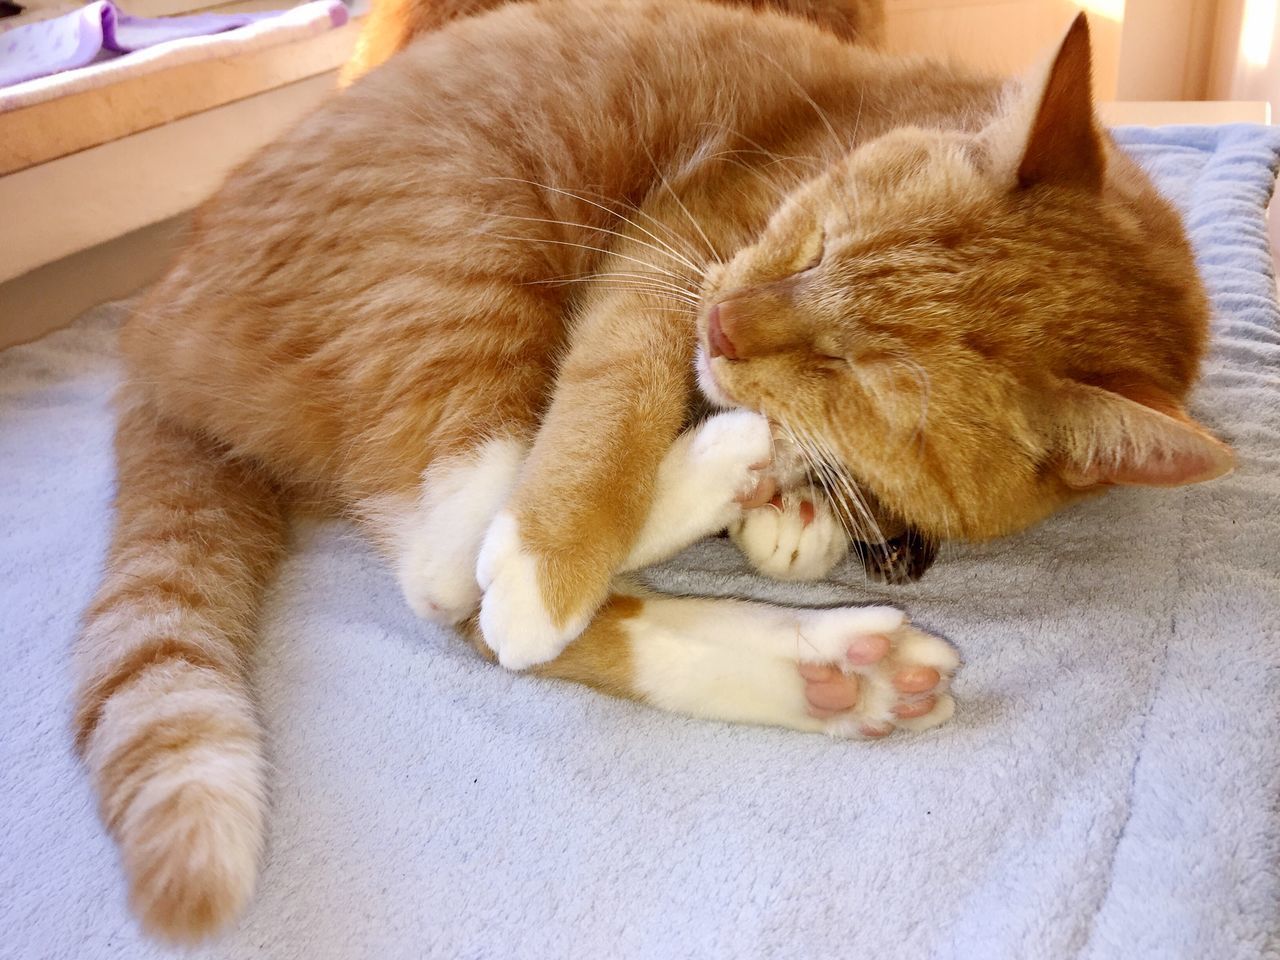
x,y
728,459
514,618
711,471
439,538
437,575
435,593
796,536
902,674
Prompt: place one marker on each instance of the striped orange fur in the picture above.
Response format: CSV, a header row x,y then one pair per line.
x,y
165,718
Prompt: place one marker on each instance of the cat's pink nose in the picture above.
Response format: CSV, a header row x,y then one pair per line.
x,y
718,343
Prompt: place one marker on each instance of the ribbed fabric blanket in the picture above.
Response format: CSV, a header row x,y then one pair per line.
x,y
1110,787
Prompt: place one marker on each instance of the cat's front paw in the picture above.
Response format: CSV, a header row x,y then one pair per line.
x,y
516,620
726,464
795,536
709,474
867,685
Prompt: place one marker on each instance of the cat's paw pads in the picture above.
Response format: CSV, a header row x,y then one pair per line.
x,y
514,618
868,683
730,456
795,536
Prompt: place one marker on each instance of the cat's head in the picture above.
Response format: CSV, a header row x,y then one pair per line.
x,y
976,328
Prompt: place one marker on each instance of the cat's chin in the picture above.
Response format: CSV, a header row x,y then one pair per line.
x,y
708,385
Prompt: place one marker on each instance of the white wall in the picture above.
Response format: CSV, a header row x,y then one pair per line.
x,y
1245,63
1006,36
1166,49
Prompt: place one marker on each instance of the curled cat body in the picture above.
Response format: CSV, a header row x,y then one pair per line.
x,y
469,303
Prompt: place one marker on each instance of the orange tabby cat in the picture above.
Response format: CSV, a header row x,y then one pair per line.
x,y
467,303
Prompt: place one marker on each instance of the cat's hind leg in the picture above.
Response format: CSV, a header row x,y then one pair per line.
x,y
856,672
853,672
434,538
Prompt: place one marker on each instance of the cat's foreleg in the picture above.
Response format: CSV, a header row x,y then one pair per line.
x,y
586,489
712,471
710,475
859,672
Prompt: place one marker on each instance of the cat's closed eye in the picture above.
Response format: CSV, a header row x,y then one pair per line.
x,y
828,353
811,253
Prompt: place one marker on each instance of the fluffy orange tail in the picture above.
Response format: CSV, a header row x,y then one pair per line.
x,y
164,718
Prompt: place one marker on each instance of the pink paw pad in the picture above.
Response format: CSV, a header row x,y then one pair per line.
x,y
867,650
886,681
829,690
916,708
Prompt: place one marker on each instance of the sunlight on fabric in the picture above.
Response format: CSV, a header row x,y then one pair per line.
x,y
1257,32
1110,9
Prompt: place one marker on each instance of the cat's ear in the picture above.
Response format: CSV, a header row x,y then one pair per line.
x,y
1051,134
1102,437
1064,146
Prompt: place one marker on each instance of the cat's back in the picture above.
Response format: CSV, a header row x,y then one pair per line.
x,y
596,93
395,175
415,214
556,85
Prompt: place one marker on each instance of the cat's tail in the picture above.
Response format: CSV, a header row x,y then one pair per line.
x,y
164,719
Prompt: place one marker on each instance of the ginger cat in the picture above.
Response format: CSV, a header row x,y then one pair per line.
x,y
470,301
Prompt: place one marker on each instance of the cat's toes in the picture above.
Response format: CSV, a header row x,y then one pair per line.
x,y
828,690
896,679
514,617
795,536
923,667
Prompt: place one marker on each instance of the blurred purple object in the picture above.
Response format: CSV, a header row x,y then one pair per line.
x,y
97,31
